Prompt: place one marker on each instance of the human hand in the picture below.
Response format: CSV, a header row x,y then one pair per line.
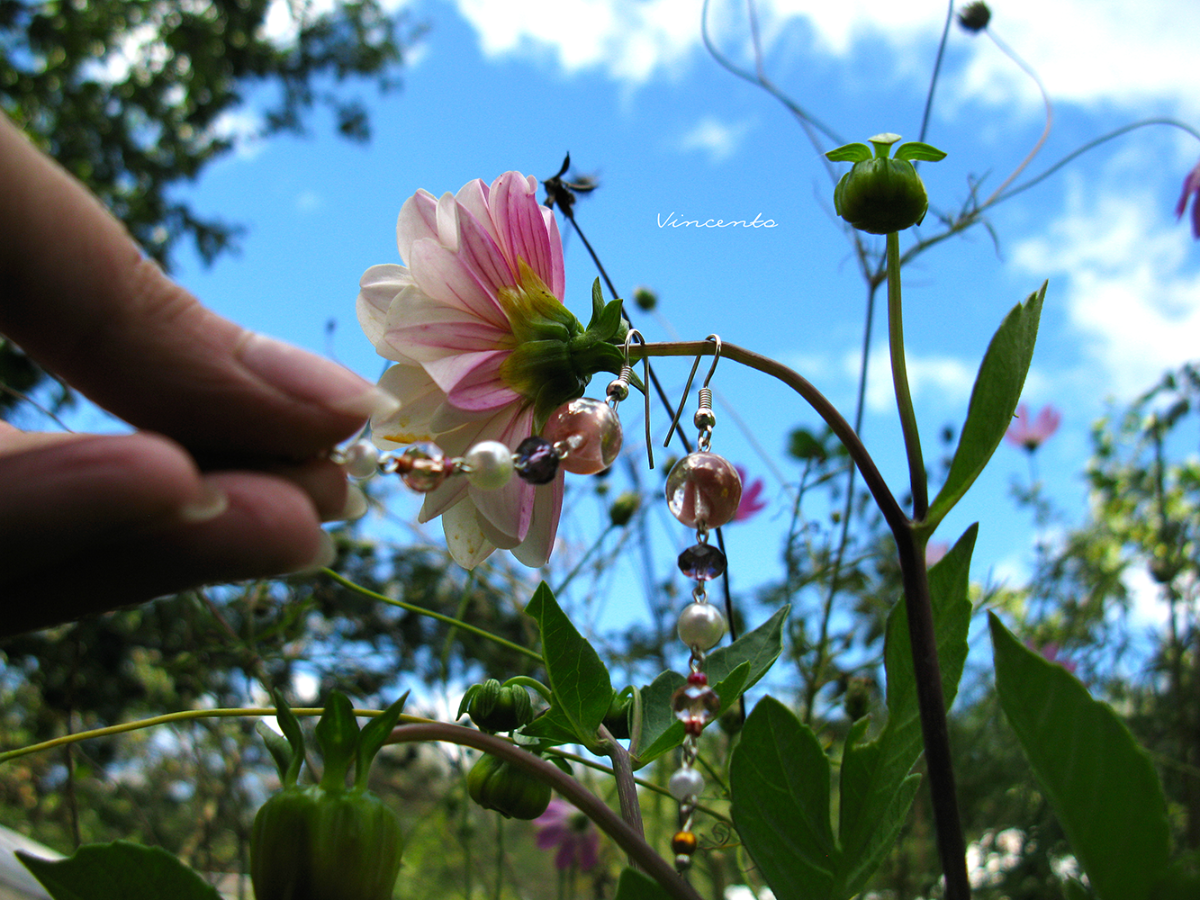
x,y
223,482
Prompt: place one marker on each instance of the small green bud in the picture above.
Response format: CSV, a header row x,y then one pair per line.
x,y
624,507
975,16
616,720
645,298
881,195
494,707
496,784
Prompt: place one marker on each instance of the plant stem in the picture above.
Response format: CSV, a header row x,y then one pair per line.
x,y
449,620
631,809
588,803
908,419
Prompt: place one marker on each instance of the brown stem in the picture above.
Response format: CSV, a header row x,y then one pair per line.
x,y
631,809
588,803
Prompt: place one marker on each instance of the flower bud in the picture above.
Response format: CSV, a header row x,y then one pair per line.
x,y
313,844
496,784
616,720
881,195
623,508
494,707
974,16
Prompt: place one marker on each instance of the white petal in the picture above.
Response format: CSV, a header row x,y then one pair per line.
x,y
423,329
464,538
419,399
447,222
417,221
379,286
543,529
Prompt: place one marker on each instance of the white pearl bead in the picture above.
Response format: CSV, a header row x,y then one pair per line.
x,y
701,625
360,459
489,465
686,784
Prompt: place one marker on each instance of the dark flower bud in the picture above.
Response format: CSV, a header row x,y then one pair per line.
x,y
496,784
645,298
494,707
881,195
975,16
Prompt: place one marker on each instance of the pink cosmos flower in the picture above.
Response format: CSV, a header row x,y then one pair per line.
x,y
751,503
464,321
1191,187
564,827
1031,434
1050,652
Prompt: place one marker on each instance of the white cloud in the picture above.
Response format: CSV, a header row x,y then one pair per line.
x,y
718,139
1122,269
1084,50
945,378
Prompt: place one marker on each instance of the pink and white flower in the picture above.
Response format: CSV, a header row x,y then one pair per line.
x,y
1030,433
477,329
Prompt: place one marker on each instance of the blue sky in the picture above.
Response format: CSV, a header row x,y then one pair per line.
x,y
628,88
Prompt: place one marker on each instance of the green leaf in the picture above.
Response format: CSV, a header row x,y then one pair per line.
x,y
606,326
551,727
579,680
118,871
635,885
850,153
876,785
779,784
1181,881
277,746
758,648
1101,785
993,400
372,738
290,726
597,303
918,150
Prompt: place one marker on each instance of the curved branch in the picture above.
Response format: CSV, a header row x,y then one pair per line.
x,y
587,802
897,521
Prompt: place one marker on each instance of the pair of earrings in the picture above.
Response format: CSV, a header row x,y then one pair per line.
x,y
583,437
703,492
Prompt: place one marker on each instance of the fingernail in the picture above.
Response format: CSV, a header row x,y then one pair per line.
x,y
312,379
325,556
212,503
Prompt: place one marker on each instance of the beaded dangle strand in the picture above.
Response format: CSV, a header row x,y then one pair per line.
x,y
703,492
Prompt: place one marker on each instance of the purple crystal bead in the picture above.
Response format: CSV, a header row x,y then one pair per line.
x,y
702,562
535,460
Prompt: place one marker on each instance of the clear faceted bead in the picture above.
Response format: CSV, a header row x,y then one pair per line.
x,y
423,467
704,490
587,433
701,625
692,703
702,562
535,460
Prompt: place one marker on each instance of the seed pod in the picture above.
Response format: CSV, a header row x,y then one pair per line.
x,y
494,707
496,784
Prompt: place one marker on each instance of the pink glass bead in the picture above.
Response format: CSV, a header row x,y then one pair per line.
x,y
588,432
704,490
423,467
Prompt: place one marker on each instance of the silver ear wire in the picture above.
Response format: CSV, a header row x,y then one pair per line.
x,y
618,390
704,418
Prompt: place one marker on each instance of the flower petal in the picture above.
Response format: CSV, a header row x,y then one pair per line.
x,y
419,399
379,286
417,222
522,229
473,197
423,329
509,509
543,528
480,386
447,276
464,538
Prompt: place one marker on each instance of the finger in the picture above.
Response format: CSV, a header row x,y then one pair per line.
x,y
78,295
178,531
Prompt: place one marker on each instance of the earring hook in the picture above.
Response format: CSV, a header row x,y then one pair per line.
x,y
618,390
703,389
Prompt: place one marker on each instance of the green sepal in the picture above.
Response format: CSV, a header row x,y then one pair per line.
x,y
372,738
850,153
278,747
920,151
290,726
607,325
337,735
597,304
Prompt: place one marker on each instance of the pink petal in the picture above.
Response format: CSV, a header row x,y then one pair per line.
x,y
447,222
482,255
1047,422
565,857
558,274
452,492
451,278
478,385
588,846
518,218
509,509
473,197
543,528
424,329
550,836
